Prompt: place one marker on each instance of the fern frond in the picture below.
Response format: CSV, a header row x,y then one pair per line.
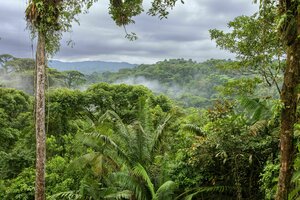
x,y
144,115
295,193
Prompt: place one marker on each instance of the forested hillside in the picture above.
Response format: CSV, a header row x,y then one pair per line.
x,y
88,67
189,83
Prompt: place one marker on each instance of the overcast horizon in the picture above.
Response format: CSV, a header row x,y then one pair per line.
x,y
183,35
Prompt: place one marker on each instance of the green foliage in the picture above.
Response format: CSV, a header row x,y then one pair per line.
x,y
258,50
225,153
18,65
22,187
269,179
74,79
160,7
14,102
122,99
238,87
52,18
123,11
15,124
126,152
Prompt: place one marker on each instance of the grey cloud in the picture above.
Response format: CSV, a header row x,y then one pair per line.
x,y
228,8
183,35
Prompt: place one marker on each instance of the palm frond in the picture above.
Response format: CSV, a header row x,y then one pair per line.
x,y
295,193
127,181
140,171
112,144
258,110
82,161
188,195
258,127
69,195
121,127
159,134
140,147
194,129
125,194
165,191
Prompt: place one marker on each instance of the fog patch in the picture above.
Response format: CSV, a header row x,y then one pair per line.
x,y
155,86
22,82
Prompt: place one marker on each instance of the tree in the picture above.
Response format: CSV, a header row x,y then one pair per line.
x,y
289,27
259,51
49,18
286,20
18,65
73,78
133,149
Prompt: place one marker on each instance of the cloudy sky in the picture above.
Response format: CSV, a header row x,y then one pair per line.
x,y
183,35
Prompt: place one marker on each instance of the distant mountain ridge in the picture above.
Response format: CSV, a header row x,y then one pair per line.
x,y
88,67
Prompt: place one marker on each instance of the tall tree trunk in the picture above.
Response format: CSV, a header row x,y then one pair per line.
x,y
289,99
40,118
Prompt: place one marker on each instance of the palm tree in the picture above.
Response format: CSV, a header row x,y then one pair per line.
x,y
124,154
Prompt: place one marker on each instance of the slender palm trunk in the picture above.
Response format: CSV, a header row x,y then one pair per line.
x,y
288,115
40,119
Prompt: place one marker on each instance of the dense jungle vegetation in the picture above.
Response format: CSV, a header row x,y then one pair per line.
x,y
107,140
177,129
